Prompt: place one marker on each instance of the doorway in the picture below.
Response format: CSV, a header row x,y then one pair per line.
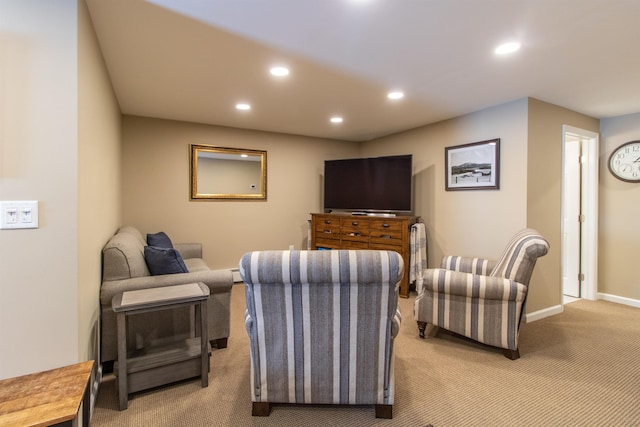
x,y
580,151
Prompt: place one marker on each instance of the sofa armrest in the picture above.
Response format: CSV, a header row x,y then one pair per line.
x,y
473,285
468,264
218,281
189,250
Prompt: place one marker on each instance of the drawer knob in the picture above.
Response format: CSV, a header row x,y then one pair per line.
x,y
354,223
327,221
385,225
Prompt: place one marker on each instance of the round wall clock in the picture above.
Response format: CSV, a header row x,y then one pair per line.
x,y
624,162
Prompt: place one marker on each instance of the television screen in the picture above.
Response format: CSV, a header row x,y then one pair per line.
x,y
375,184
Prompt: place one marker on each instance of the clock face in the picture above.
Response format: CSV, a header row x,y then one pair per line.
x,y
624,162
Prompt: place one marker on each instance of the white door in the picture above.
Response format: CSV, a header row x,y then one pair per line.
x,y
580,213
571,217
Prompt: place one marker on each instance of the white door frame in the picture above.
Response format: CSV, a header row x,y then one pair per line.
x,y
589,158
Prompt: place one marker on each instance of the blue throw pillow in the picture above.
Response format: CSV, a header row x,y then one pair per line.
x,y
163,261
159,240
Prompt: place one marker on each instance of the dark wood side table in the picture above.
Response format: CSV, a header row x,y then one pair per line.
x,y
49,398
162,364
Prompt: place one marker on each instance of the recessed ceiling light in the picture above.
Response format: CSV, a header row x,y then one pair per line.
x,y
243,106
506,48
279,71
336,119
395,95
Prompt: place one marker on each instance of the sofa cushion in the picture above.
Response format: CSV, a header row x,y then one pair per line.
x,y
163,261
159,240
195,264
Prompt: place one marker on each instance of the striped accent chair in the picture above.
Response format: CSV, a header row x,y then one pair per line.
x,y
321,327
482,299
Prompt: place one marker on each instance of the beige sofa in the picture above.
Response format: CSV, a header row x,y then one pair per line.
x,y
124,268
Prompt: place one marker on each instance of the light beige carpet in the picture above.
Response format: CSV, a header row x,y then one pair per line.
x,y
578,368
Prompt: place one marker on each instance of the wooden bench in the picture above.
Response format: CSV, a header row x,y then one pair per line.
x,y
49,398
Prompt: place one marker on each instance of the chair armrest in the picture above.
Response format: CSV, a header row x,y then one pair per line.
x,y
189,250
395,323
218,281
438,280
468,264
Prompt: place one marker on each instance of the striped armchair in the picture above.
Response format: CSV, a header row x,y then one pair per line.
x,y
321,327
481,299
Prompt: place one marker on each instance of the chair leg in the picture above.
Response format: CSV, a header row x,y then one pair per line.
x,y
511,354
433,331
421,327
384,411
261,409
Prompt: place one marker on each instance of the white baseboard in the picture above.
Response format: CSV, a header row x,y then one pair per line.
x,y
551,311
541,314
620,300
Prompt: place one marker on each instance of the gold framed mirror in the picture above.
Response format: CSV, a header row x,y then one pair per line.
x,y
228,173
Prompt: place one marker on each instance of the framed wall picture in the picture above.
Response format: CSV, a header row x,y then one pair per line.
x,y
474,166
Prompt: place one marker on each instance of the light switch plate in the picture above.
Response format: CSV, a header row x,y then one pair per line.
x,y
19,214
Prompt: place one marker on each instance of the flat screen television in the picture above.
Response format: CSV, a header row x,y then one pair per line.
x,y
369,185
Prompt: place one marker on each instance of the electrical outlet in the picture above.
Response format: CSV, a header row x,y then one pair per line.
x,y
19,214
25,215
11,215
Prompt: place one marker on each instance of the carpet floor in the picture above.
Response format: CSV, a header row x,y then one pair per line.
x,y
578,368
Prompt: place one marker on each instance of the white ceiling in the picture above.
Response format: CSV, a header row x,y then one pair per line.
x,y
193,60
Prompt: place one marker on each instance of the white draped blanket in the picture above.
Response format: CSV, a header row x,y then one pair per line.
x,y
418,262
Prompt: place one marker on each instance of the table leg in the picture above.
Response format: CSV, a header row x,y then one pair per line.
x,y
123,394
86,403
201,310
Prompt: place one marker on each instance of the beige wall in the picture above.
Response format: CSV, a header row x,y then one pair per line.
x,y
38,161
155,179
473,223
619,228
479,223
544,193
60,145
476,223
98,179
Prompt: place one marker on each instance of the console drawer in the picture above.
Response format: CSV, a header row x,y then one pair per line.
x,y
325,226
354,244
352,225
327,243
385,243
381,227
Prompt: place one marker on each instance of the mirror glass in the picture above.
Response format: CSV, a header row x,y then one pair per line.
x,y
228,173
